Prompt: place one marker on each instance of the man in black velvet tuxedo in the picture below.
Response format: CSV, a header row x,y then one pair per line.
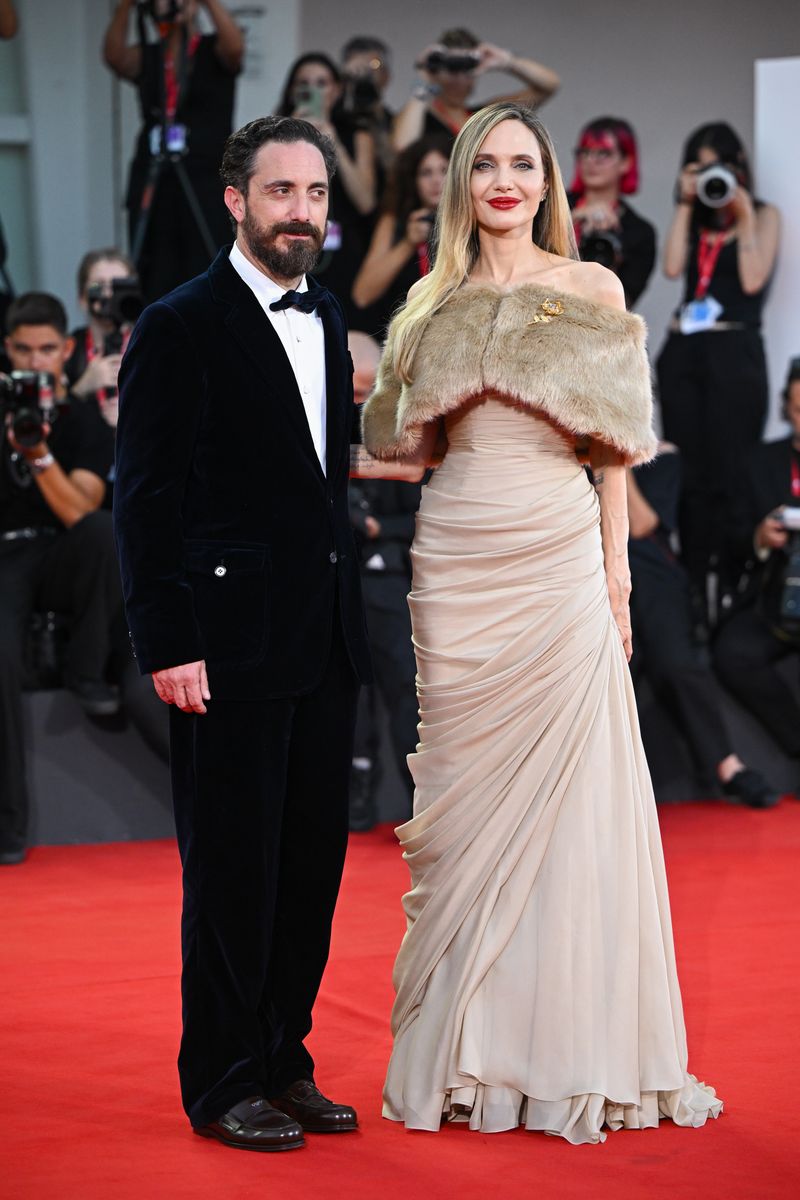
x,y
242,593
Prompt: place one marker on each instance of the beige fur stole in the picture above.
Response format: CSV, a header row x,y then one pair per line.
x,y
582,364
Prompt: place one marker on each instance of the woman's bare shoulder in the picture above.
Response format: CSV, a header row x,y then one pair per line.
x,y
591,281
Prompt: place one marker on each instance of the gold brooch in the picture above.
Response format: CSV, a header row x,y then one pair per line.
x,y
549,309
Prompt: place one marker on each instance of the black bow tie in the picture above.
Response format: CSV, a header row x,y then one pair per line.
x,y
305,301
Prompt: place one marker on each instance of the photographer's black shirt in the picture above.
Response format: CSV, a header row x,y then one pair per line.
x,y
79,440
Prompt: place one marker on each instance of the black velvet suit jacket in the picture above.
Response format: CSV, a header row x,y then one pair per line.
x,y
233,543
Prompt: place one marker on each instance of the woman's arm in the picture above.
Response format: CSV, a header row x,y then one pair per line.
x,y
540,81
610,483
358,172
383,263
124,60
757,233
411,468
229,46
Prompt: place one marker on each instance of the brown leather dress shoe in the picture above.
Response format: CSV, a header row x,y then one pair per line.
x,y
306,1103
253,1124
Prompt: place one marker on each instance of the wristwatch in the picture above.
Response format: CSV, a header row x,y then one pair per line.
x,y
38,465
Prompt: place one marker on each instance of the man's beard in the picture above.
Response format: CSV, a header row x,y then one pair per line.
x,y
296,260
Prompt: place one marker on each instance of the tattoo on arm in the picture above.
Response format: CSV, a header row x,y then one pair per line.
x,y
360,459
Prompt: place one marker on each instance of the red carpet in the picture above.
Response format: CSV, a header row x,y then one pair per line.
x,y
89,1035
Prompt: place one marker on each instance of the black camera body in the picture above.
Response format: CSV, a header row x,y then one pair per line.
x,y
360,95
163,12
602,247
123,307
457,62
27,404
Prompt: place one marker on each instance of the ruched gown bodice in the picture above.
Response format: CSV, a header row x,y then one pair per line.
x,y
536,983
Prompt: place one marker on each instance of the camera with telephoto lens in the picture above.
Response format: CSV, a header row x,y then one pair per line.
x,y
27,404
601,247
456,62
716,185
163,12
779,599
122,307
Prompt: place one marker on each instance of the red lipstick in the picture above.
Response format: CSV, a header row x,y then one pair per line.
x,y
504,202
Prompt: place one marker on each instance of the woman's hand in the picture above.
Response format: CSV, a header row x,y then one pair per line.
x,y
742,206
492,58
418,226
596,217
618,581
687,183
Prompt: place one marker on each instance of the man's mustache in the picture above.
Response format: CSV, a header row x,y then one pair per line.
x,y
297,227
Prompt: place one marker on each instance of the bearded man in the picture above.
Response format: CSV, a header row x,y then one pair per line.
x,y
242,591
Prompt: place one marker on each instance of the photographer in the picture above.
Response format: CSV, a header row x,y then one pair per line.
x,y
56,548
313,92
447,73
106,284
712,374
607,229
764,625
664,650
366,72
186,84
399,253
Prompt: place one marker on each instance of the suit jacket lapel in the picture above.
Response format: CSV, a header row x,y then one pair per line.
x,y
253,331
337,390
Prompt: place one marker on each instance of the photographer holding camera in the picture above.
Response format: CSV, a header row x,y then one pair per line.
x,y
108,291
607,229
712,374
764,625
400,250
56,548
366,72
186,84
447,73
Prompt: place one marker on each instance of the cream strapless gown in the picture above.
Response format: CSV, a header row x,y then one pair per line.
x,y
536,983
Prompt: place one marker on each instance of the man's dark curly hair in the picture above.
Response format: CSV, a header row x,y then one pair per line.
x,y
241,148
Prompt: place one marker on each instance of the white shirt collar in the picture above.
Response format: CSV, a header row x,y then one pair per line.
x,y
265,288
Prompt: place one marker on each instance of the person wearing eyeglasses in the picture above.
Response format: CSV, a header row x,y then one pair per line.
x,y
607,229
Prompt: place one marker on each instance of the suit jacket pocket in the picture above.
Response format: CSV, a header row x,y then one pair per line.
x,y
229,583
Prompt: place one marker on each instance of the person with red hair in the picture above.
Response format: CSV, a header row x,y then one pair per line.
x,y
607,229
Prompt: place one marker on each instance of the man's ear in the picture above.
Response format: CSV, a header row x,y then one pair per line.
x,y
68,348
234,202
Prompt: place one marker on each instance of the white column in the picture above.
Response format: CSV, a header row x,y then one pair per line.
x,y
777,170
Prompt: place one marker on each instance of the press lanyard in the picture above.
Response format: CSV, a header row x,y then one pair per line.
x,y
708,253
795,477
423,259
172,85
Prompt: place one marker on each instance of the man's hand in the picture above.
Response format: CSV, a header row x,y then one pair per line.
x,y
185,686
28,452
100,375
771,534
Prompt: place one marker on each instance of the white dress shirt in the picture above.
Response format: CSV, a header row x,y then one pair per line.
x,y
302,337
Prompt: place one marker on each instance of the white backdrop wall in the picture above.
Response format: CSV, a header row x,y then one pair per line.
x,y
777,108
665,66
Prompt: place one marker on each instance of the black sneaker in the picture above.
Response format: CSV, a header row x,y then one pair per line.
x,y
362,799
10,858
95,697
752,789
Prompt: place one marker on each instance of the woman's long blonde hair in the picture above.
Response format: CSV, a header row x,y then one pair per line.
x,y
456,234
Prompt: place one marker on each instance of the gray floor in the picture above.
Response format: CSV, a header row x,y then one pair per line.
x,y
94,781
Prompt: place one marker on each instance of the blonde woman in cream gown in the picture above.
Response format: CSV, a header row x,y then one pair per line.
x,y
536,983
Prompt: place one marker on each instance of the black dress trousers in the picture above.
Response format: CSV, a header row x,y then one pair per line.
x,y
714,397
261,806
